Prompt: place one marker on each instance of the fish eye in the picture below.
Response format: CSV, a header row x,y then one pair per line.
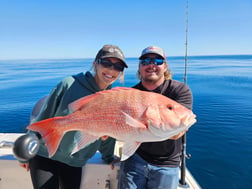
x,y
170,107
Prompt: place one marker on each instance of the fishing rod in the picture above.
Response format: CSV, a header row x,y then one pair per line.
x,y
186,42
182,181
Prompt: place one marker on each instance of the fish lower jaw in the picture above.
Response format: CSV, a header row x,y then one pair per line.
x,y
188,120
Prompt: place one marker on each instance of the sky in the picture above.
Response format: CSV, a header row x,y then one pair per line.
x,y
79,28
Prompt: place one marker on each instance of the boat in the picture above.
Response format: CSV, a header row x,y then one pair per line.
x,y
96,174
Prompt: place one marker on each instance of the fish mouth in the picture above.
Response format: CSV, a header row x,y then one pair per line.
x,y
163,133
189,120
166,132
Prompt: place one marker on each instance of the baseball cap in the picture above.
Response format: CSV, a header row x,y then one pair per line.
x,y
111,51
153,50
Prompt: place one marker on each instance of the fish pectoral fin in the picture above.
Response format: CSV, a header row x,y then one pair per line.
x,y
82,140
133,122
129,149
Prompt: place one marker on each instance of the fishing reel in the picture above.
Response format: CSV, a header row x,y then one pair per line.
x,y
26,147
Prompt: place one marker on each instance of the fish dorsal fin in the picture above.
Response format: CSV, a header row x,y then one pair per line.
x,y
121,88
76,105
129,149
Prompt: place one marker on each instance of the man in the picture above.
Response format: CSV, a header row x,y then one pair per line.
x,y
156,164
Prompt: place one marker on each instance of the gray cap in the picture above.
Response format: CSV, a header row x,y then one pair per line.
x,y
153,50
111,51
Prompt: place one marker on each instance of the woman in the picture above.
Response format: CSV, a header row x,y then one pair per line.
x,y
63,169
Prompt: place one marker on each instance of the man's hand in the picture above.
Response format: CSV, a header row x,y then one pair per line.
x,y
175,137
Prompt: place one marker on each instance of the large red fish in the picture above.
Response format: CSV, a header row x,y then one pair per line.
x,y
126,114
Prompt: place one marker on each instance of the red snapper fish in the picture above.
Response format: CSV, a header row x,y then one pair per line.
x,y
126,114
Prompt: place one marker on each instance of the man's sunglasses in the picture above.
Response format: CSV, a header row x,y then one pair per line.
x,y
107,64
155,61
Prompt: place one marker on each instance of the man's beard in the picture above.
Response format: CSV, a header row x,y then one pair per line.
x,y
151,79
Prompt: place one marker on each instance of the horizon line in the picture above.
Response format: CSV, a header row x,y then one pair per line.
x,y
65,58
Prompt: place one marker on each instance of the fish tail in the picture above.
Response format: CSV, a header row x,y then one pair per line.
x,y
50,132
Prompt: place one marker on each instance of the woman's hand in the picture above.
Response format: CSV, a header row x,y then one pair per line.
x,y
25,166
105,137
115,161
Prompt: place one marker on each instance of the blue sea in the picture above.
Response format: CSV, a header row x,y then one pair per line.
x,y
220,143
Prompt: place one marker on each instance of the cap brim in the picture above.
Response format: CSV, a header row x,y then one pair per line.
x,y
141,57
108,56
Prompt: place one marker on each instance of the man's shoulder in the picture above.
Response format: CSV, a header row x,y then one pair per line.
x,y
137,86
176,89
175,84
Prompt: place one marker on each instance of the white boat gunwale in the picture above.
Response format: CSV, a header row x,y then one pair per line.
x,y
13,176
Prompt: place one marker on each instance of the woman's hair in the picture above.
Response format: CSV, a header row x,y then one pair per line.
x,y
121,77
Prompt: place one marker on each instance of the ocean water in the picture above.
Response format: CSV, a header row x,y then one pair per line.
x,y
220,143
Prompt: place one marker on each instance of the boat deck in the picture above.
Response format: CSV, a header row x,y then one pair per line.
x,y
97,174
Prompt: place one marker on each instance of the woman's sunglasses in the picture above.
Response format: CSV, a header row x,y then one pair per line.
x,y
107,64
